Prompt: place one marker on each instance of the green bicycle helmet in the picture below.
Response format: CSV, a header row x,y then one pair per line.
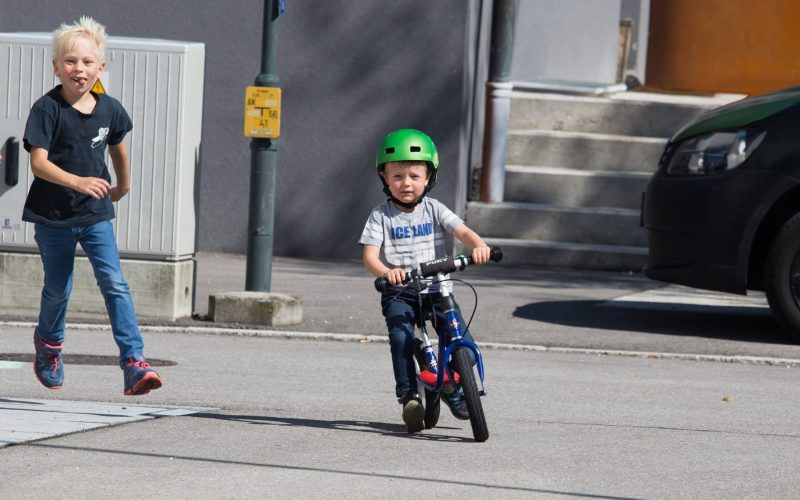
x,y
408,144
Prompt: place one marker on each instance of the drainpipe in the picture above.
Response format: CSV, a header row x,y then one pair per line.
x,y
498,101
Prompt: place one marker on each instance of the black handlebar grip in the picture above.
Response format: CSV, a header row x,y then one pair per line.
x,y
445,265
12,161
382,284
496,254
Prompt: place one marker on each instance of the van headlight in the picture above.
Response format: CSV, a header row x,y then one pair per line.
x,y
714,152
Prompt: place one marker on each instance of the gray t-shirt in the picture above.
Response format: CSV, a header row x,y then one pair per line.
x,y
408,239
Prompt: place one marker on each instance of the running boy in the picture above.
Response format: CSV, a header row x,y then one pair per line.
x,y
70,201
406,230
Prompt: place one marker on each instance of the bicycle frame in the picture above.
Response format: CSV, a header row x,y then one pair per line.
x,y
454,339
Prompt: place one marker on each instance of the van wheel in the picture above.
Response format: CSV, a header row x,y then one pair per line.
x,y
782,277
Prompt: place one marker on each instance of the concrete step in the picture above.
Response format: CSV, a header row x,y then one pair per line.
x,y
528,221
574,188
571,255
626,113
576,170
585,151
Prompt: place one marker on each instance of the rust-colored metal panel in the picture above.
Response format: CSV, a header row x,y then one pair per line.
x,y
743,46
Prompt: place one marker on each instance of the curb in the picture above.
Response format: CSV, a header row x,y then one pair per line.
x,y
351,337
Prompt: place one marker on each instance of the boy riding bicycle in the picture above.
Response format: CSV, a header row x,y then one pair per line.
x,y
406,230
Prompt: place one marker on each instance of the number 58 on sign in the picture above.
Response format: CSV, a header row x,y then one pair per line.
x,y
262,112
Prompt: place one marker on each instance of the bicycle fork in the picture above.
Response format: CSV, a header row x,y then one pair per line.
x,y
456,340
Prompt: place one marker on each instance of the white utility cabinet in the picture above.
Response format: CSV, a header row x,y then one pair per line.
x,y
160,84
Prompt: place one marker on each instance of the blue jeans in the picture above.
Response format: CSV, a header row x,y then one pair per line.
x,y
57,248
400,314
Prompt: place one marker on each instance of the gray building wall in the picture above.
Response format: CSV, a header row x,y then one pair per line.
x,y
577,40
350,72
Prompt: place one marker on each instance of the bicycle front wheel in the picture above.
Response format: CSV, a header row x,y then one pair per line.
x,y
473,398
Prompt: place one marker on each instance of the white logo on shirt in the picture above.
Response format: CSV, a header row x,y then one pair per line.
x,y
102,133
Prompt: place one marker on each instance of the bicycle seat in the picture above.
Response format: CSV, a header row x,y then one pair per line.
x,y
429,378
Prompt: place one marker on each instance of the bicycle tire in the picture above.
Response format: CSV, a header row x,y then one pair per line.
x,y
473,398
432,407
432,399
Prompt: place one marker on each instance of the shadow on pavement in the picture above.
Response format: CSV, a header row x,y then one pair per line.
x,y
383,428
747,324
80,359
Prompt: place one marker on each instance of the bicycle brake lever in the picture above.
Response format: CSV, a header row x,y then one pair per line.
x,y
417,285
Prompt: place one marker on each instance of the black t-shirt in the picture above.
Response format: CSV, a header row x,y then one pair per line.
x,y
76,142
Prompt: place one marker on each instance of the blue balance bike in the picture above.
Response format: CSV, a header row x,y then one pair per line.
x,y
452,368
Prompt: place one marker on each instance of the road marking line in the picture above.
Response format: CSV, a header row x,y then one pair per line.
x,y
26,420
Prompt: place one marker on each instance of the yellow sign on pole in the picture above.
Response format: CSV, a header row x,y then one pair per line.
x,y
262,112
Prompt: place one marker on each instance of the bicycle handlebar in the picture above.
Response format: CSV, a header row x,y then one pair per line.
x,y
434,267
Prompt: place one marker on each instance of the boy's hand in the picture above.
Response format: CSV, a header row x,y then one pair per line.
x,y
396,276
480,255
93,186
116,193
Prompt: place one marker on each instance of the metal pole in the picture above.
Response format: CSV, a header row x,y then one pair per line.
x,y
263,161
498,101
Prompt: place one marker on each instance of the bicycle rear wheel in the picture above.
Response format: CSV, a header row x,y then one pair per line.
x,y
432,406
473,398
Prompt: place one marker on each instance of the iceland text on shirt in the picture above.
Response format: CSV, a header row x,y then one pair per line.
x,y
411,231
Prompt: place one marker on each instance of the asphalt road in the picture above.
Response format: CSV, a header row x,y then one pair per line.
x,y
245,416
310,419
531,306
519,305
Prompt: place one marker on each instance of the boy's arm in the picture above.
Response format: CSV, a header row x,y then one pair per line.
x,y
374,265
480,251
119,160
43,168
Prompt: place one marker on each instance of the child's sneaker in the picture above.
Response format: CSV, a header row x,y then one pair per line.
x,y
139,377
413,412
47,365
458,407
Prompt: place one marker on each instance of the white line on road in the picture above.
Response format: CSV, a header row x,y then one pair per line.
x,y
26,420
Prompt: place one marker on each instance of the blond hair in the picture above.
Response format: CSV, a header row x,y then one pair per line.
x,y
66,35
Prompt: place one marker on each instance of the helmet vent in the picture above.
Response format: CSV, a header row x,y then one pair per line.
x,y
389,151
415,149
